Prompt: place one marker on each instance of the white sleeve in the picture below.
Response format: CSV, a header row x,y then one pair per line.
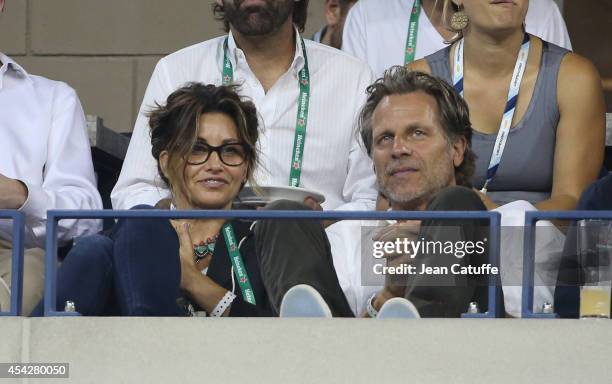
x,y
360,186
553,29
139,181
353,36
68,175
345,240
343,249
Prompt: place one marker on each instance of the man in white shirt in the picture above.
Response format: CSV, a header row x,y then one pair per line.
x,y
45,163
417,131
265,54
377,32
416,128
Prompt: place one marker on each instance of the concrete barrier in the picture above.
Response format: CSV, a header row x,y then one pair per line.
x,y
197,350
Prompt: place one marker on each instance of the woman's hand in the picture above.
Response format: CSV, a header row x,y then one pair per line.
x,y
201,288
189,269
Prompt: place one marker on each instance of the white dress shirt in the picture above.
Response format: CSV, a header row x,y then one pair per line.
x,y
376,33
334,163
44,144
351,247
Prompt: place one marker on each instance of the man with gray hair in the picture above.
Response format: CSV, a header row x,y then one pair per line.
x,y
417,131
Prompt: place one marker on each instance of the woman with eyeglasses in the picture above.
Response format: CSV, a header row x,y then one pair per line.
x,y
204,140
537,109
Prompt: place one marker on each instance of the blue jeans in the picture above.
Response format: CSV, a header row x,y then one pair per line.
x,y
86,277
134,272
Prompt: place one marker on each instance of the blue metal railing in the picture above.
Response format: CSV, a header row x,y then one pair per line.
x,y
17,261
53,216
531,218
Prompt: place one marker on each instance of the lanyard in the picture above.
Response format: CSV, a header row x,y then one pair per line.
x,y
413,30
513,92
239,268
295,171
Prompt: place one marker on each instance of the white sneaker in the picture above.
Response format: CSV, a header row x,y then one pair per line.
x,y
304,301
398,308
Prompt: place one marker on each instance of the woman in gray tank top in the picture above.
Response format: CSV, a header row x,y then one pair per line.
x,y
554,148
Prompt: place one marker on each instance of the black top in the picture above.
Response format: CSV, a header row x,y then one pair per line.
x,y
220,270
162,241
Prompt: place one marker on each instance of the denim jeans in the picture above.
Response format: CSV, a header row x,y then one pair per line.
x,y
85,277
134,272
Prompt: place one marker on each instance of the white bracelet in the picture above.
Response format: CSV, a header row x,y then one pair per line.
x,y
370,308
223,304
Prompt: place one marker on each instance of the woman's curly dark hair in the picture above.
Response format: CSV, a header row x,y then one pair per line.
x,y
174,126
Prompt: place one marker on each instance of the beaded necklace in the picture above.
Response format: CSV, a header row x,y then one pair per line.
x,y
205,248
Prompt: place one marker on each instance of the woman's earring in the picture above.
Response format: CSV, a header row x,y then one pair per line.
x,y
459,20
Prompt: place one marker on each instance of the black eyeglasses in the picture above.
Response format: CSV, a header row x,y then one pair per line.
x,y
231,154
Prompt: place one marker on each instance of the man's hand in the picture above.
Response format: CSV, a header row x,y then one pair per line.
x,y
395,285
13,193
315,206
312,204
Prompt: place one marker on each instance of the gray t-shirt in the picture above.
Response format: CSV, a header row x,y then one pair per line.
x,y
526,168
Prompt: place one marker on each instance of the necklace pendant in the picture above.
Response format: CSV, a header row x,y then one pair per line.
x,y
204,249
200,249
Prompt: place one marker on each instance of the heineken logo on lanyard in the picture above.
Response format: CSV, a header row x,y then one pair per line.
x,y
413,30
513,93
295,169
238,263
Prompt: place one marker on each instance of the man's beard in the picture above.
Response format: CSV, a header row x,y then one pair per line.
x,y
258,20
438,177
407,199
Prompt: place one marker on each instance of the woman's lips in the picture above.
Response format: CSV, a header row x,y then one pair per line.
x,y
214,182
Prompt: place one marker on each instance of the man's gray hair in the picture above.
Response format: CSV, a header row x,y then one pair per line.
x,y
453,111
